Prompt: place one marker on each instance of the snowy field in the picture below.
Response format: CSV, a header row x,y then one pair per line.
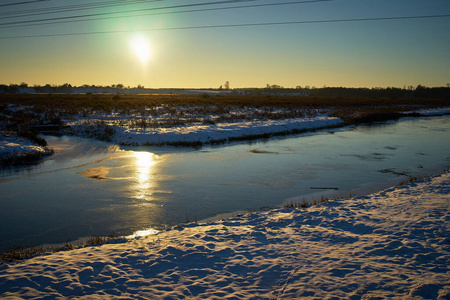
x,y
392,244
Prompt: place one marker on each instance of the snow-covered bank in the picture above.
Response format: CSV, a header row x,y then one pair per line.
x,y
138,131
433,111
210,133
16,150
394,243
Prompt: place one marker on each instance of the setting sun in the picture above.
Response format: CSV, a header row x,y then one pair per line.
x,y
141,48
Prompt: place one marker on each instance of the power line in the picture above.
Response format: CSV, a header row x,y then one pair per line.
x,y
233,25
129,11
173,12
24,2
70,8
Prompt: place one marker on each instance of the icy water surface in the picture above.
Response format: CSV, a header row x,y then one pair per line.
x,y
94,188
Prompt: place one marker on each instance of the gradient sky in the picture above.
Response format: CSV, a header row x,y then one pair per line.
x,y
352,54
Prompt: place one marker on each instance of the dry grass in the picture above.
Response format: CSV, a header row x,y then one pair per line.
x,y
314,202
185,109
108,102
21,253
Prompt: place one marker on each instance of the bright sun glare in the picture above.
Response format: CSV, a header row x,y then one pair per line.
x,y
141,47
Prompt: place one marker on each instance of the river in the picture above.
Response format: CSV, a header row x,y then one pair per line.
x,y
94,188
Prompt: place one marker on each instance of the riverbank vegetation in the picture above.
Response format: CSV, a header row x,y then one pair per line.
x,y
20,143
101,115
51,108
21,253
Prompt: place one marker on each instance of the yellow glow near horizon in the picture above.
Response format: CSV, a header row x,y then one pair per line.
x,y
141,47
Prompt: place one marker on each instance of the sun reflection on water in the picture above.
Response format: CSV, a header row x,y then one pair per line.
x,y
144,173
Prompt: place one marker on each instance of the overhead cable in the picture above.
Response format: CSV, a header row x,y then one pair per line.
x,y
173,12
23,2
232,26
70,8
128,11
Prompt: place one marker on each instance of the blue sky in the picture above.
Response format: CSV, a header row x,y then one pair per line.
x,y
364,53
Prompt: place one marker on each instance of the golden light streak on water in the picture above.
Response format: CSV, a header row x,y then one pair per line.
x,y
145,161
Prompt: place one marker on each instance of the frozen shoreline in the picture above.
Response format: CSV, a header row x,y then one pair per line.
x,y
12,146
393,243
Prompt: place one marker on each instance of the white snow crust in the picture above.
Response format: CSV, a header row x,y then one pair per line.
x,y
209,132
11,145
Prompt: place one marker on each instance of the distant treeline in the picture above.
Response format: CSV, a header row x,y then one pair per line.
x,y
390,92
336,92
344,92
